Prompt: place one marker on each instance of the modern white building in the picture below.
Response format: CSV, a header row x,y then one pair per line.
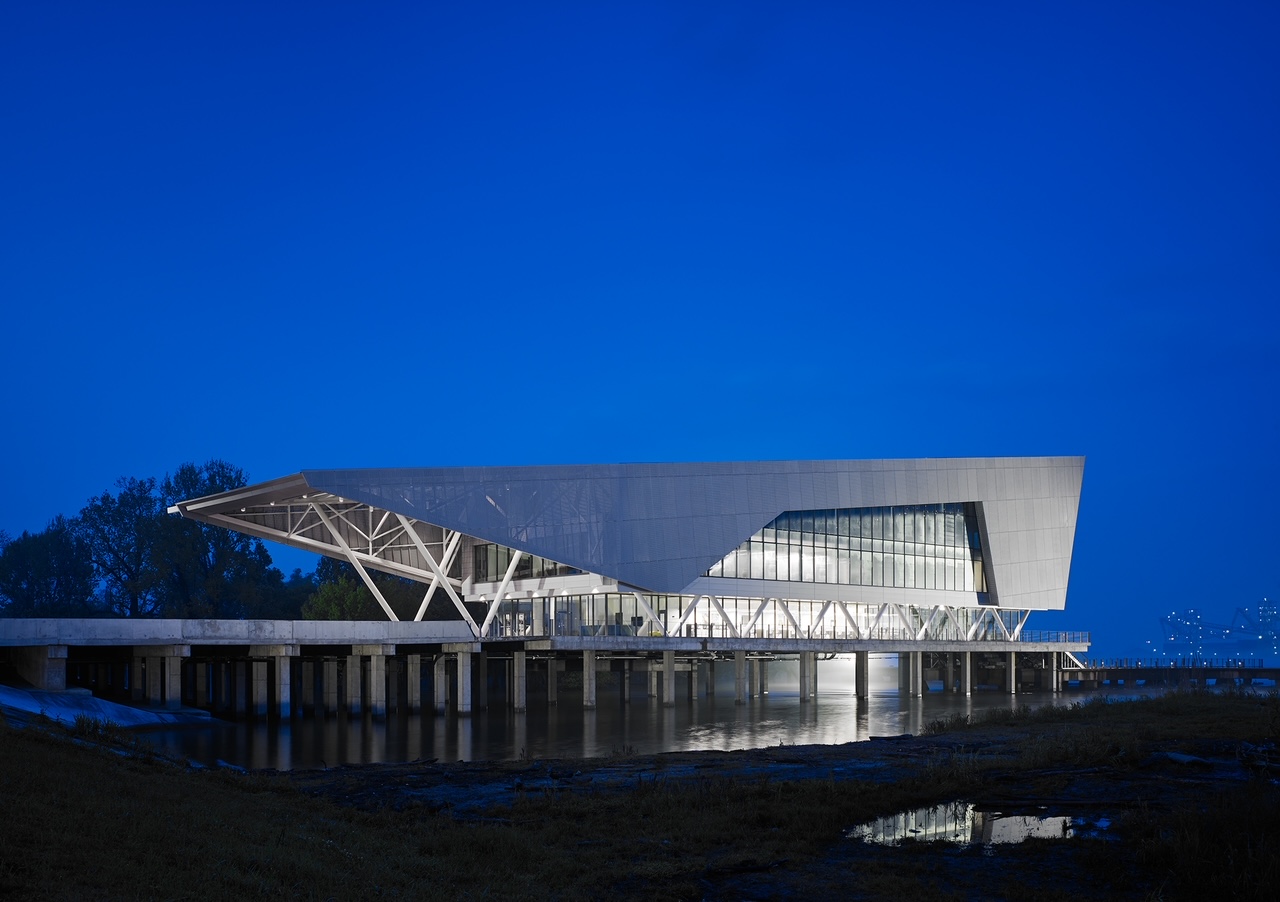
x,y
653,569
957,549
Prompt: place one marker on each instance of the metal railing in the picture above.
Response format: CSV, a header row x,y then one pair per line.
x,y
1054,636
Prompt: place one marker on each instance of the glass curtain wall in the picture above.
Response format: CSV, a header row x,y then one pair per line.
x,y
923,546
491,562
615,614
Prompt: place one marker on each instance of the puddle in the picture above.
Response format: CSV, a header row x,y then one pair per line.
x,y
966,824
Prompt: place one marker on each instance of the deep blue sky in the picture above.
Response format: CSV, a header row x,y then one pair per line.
x,y
321,235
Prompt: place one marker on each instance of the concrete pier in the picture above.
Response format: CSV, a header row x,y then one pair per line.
x,y
354,684
332,694
588,679
440,683
413,683
519,688
668,679
464,683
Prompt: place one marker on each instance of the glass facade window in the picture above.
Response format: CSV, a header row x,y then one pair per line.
x,y
922,546
491,563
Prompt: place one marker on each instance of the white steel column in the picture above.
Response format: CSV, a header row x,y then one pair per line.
x,y
502,591
804,677
966,673
668,679
644,606
446,559
917,674
1012,669
439,574
740,677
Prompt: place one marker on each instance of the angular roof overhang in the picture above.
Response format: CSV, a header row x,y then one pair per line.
x,y
655,527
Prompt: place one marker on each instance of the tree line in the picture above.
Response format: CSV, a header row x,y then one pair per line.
x,y
123,555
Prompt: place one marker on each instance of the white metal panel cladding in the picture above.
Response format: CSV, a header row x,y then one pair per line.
x,y
660,526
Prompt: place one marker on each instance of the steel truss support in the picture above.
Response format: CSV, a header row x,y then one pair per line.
x,y
446,560
438,573
649,611
355,561
501,593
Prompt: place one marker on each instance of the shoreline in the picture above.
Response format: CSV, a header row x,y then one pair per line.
x,y
66,705
1182,791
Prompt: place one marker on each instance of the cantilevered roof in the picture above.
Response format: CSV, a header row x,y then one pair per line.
x,y
659,527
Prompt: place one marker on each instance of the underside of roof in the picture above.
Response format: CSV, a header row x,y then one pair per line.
x,y
655,527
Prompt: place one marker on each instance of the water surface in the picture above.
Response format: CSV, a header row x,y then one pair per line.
x,y
567,730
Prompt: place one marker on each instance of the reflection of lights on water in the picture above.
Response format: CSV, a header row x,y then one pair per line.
x,y
963,824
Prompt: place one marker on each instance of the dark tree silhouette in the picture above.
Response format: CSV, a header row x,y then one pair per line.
x,y
47,574
121,533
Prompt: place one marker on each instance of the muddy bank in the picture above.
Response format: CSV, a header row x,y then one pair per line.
x,y
1169,772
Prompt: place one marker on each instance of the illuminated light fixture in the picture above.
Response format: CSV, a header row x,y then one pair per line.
x,y
242,510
